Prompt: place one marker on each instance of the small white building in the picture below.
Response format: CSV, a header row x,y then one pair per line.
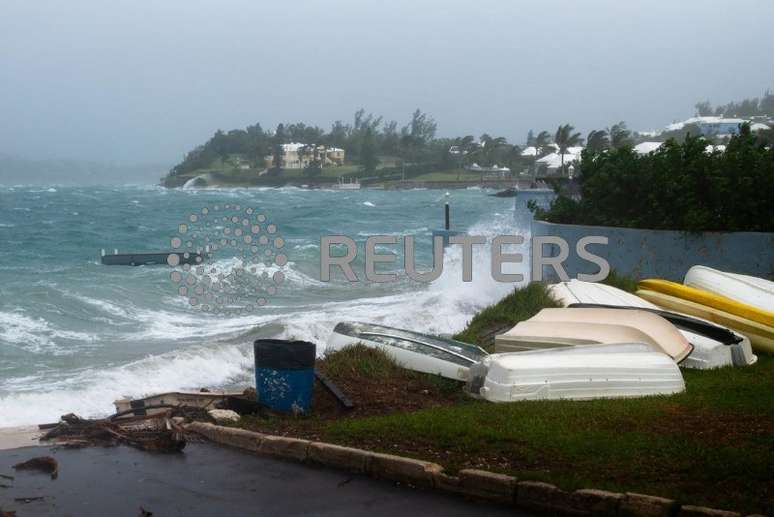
x,y
714,126
297,155
647,147
551,163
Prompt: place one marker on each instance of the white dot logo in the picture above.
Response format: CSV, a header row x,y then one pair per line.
x,y
227,259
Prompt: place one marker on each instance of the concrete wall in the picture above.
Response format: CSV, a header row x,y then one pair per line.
x,y
663,254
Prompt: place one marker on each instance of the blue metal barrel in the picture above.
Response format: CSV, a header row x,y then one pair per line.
x,y
284,374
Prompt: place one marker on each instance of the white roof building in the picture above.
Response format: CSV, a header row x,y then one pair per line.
x,y
554,160
647,147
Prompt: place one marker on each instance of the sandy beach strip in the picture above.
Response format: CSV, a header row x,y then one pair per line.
x,y
15,437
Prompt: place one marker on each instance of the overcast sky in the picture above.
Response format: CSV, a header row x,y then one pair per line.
x,y
144,81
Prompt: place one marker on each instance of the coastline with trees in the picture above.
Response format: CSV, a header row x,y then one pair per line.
x,y
386,153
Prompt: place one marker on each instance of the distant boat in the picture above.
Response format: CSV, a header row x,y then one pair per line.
x,y
151,259
509,192
352,184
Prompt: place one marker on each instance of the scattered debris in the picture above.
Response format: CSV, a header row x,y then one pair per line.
x,y
11,513
43,463
150,433
334,390
224,416
143,512
160,403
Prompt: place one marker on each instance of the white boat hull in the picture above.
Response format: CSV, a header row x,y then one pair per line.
x,y
456,368
576,373
552,328
741,288
707,352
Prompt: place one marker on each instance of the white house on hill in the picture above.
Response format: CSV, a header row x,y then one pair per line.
x,y
297,156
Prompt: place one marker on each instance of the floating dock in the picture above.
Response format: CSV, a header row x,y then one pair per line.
x,y
151,259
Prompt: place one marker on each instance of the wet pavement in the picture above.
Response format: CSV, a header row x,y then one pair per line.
x,y
208,480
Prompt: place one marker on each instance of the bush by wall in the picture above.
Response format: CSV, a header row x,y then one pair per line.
x,y
678,187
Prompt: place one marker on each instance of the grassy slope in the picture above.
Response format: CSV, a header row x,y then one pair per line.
x,y
711,445
520,305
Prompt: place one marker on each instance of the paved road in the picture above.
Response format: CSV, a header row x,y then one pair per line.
x,y
208,480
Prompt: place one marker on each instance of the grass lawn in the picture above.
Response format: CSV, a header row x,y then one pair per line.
x,y
712,445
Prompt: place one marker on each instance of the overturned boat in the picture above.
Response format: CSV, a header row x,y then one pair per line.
x,y
714,346
412,350
552,328
750,290
615,370
754,322
162,402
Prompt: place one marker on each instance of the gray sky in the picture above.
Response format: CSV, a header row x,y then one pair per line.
x,y
139,81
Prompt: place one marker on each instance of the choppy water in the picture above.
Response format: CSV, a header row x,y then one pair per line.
x,y
75,335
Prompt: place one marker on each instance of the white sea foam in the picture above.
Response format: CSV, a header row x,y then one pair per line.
x,y
368,203
92,392
443,306
36,335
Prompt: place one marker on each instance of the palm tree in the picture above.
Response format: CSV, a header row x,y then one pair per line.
x,y
598,141
539,142
542,140
490,145
514,154
620,136
465,146
303,151
565,138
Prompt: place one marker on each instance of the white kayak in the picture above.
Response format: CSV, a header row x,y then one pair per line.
x,y
615,370
709,350
751,290
411,350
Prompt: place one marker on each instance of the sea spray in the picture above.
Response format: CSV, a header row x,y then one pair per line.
x,y
78,335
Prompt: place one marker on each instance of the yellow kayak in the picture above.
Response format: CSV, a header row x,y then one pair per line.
x,y
702,297
761,336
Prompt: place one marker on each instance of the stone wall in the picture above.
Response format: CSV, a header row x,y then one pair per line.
x,y
660,253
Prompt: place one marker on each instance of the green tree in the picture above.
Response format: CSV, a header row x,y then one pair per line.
x,y
566,138
677,187
620,136
541,142
490,148
368,157
597,141
277,150
466,146
703,108
304,152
